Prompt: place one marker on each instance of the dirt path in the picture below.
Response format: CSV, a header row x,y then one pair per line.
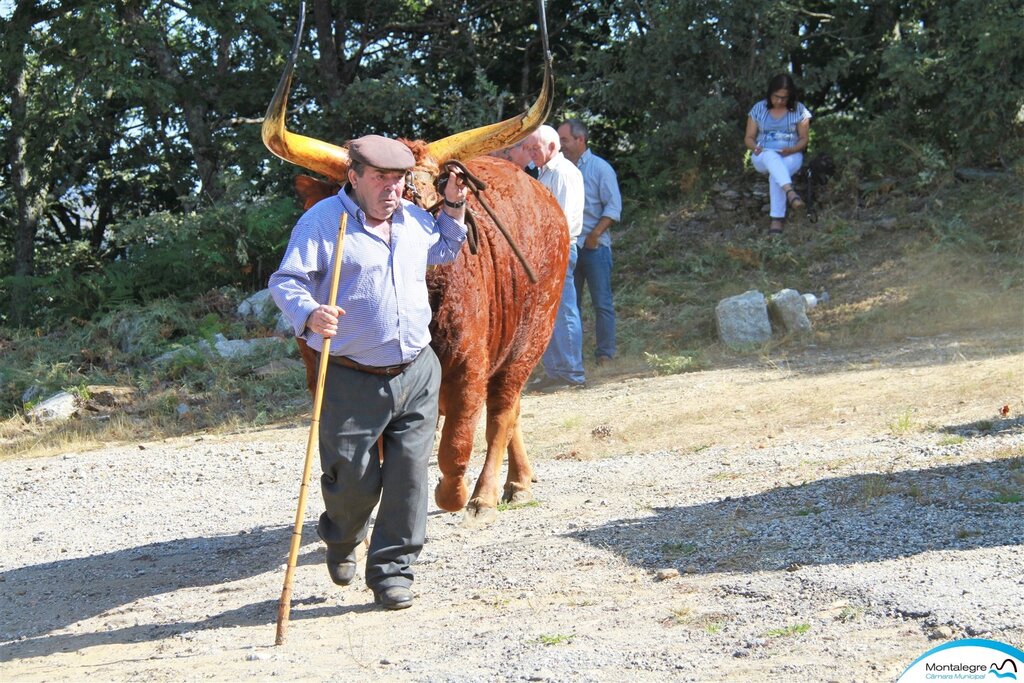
x,y
831,516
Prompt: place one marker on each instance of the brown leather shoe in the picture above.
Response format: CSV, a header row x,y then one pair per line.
x,y
393,597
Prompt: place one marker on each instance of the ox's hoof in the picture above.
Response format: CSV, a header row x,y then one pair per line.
x,y
451,493
517,494
479,514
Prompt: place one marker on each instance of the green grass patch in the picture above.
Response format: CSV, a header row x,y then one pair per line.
x,y
849,614
677,550
573,422
714,627
1008,498
874,486
902,424
554,639
788,631
673,364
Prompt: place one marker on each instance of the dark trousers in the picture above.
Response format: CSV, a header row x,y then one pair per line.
x,y
358,408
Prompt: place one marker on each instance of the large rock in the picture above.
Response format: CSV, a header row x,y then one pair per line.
x,y
57,408
788,310
260,306
239,348
284,326
742,320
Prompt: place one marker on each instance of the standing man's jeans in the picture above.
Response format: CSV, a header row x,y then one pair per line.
x,y
564,356
357,409
594,271
780,172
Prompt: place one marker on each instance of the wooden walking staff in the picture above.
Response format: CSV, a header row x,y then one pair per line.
x,y
285,603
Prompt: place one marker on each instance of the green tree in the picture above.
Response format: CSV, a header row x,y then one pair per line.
x,y
119,111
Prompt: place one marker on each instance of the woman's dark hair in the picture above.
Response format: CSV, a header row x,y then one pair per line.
x,y
778,82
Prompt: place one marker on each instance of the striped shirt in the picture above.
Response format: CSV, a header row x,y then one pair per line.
x,y
602,197
777,133
382,289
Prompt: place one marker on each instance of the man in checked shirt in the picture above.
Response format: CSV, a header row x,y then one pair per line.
x,y
383,377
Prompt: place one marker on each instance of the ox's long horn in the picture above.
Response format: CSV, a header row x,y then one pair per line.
x,y
472,143
315,155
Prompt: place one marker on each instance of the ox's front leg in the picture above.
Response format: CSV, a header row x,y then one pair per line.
x,y
483,506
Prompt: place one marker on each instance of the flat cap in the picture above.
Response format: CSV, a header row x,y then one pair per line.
x,y
381,152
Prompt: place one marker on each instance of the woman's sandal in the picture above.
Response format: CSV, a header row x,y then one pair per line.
x,y
776,227
794,201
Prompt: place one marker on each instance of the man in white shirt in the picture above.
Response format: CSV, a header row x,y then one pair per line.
x,y
563,359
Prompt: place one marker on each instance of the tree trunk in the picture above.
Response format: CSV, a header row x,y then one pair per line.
x,y
29,202
327,61
204,149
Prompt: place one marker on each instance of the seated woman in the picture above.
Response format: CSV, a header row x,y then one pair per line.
x,y
777,135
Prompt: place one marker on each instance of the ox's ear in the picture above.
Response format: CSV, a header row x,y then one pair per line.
x,y
311,190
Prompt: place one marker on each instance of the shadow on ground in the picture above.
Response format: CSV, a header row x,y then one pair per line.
x,y
985,427
846,520
41,599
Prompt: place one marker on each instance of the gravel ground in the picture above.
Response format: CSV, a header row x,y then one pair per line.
x,y
825,555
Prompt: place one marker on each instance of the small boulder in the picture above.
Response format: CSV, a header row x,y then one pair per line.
x,y
742,320
239,348
284,326
666,574
260,306
58,408
788,310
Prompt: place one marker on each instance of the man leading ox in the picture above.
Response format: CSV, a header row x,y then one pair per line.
x,y
383,378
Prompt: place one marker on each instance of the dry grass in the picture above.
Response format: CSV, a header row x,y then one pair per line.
x,y
814,395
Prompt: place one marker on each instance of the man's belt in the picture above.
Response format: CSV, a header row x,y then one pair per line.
x,y
386,370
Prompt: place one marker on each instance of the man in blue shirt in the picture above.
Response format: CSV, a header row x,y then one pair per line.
x,y
383,378
602,207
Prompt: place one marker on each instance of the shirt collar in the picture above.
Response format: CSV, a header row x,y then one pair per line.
x,y
353,209
551,162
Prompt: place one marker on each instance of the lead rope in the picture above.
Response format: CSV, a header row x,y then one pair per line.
x,y
477,186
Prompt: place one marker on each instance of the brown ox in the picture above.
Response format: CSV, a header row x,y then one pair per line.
x,y
491,324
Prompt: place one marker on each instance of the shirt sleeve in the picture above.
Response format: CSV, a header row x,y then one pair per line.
x,y
451,235
293,283
611,199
